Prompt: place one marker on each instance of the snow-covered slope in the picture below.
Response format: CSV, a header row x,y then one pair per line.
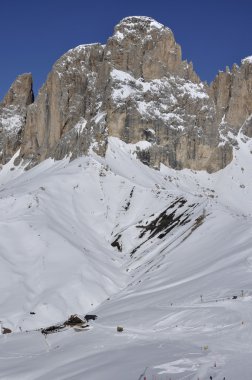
x,y
165,254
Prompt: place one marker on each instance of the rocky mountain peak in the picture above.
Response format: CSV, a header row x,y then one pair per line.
x,y
232,91
136,88
144,47
20,93
13,112
137,25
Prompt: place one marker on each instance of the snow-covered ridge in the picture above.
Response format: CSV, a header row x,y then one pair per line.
x,y
84,47
247,60
75,60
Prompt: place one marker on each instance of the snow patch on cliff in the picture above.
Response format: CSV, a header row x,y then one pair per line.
x,y
12,120
156,99
247,60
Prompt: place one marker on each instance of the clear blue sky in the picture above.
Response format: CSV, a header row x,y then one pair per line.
x,y
212,33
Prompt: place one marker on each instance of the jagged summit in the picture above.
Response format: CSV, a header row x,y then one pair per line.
x,y
141,28
136,23
21,92
13,111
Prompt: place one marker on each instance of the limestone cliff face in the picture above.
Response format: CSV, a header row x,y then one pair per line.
x,y
136,87
63,106
232,92
13,111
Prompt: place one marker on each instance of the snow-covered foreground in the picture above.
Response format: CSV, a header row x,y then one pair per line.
x,y
178,277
